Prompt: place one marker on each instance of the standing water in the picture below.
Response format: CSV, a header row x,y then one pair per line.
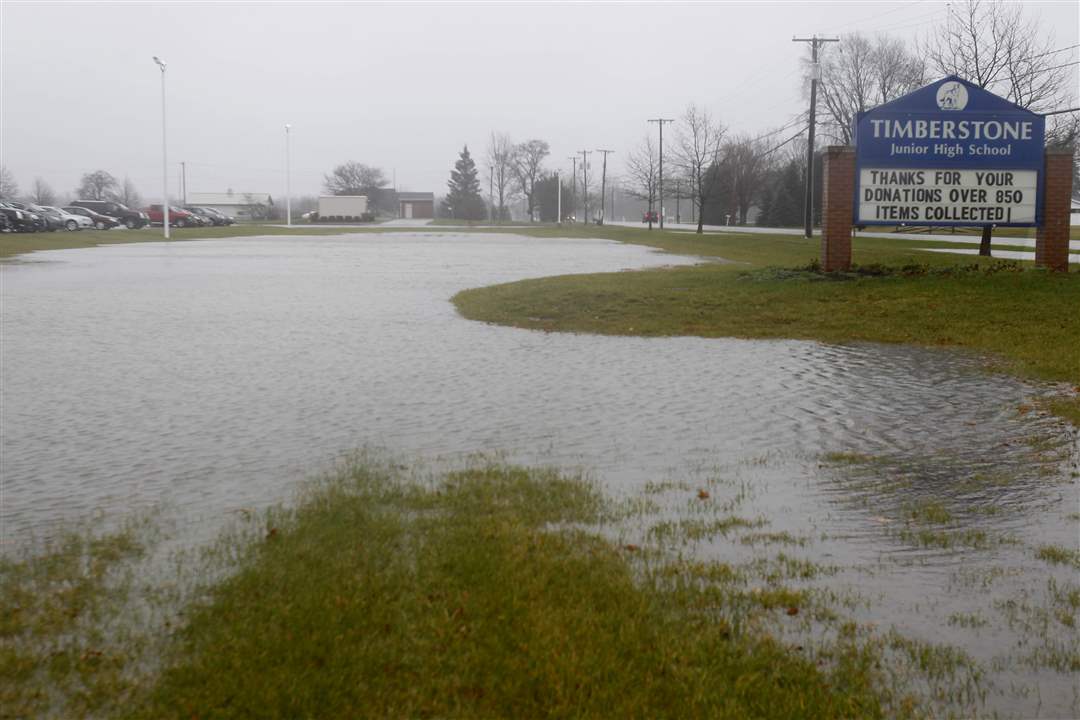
x,y
211,376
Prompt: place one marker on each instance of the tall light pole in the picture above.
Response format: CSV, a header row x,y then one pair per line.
x,y
164,156
288,169
661,122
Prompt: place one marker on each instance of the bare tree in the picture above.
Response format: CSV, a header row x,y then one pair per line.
x,y
861,74
501,168
743,169
991,44
529,168
697,149
42,193
97,185
353,178
8,187
643,174
128,195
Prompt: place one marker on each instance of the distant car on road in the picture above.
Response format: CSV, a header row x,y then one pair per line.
x,y
131,219
650,216
101,222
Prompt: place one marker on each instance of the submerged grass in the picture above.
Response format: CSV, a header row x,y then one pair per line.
x,y
56,602
481,593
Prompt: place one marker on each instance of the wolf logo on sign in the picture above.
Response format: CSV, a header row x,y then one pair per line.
x,y
952,96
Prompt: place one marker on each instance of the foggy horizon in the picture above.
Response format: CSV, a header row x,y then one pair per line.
x,y
399,87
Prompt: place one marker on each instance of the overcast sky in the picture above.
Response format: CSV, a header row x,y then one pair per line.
x,y
399,86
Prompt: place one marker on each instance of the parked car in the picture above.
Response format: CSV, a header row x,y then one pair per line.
x,y
43,221
101,222
650,216
71,221
177,217
225,219
207,217
131,219
22,220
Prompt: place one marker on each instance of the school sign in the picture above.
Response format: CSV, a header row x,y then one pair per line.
x,y
950,153
947,154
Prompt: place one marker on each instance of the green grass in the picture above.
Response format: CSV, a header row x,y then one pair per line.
x,y
1023,317
482,594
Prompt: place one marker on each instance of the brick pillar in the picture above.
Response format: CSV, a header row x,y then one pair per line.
x,y
838,197
1052,239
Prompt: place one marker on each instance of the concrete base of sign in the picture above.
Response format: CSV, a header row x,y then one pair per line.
x,y
836,208
1052,239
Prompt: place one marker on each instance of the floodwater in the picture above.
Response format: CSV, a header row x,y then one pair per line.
x,y
212,376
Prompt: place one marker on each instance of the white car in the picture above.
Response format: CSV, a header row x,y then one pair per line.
x,y
71,221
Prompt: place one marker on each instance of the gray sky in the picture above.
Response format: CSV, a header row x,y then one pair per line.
x,y
400,86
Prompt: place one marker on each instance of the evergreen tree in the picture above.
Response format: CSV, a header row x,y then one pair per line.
x,y
464,202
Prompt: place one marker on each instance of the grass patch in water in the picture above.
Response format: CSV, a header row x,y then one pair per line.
x,y
60,652
480,594
1059,555
928,511
974,539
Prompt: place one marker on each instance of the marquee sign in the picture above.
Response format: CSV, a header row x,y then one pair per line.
x,y
950,153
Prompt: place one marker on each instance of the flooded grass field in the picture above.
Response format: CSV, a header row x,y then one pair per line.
x,y
901,497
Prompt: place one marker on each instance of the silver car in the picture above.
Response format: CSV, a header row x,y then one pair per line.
x,y
71,221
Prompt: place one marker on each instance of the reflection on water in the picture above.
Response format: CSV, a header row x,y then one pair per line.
x,y
212,376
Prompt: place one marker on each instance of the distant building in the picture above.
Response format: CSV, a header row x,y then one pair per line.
x,y
240,205
416,205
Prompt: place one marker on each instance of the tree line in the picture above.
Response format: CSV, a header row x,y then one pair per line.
x,y
96,185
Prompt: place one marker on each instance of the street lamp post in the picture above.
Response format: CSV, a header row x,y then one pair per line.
x,y
288,189
164,156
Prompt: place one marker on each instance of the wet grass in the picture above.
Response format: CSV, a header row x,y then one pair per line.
x,y
493,590
1022,316
481,593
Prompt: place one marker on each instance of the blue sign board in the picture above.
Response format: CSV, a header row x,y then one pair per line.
x,y
949,153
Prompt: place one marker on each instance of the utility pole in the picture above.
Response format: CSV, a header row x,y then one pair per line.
x,y
603,185
183,182
573,186
491,193
678,197
558,192
585,181
661,121
815,77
